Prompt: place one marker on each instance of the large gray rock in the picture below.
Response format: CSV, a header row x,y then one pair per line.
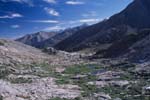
x,y
102,96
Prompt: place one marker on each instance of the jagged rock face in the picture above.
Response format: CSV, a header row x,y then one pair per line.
x,y
134,17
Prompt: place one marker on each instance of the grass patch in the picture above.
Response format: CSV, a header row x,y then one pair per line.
x,y
71,72
62,81
134,92
77,70
21,80
57,98
2,43
81,69
84,80
42,70
89,90
4,72
1,97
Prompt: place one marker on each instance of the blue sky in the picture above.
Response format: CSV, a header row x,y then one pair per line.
x,y
20,17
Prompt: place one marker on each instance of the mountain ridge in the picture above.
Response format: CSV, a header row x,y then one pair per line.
x,y
35,38
49,39
134,17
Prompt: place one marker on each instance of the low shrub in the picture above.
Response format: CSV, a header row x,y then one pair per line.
x,y
1,43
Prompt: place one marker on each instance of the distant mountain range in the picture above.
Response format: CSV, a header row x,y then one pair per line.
x,y
49,39
36,38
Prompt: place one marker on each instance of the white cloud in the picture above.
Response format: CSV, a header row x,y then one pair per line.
x,y
29,2
54,28
89,20
45,21
50,1
15,26
74,3
51,11
13,15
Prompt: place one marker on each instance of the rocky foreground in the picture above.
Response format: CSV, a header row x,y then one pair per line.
x,y
30,74
39,89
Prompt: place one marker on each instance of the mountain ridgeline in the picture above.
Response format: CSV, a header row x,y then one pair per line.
x,y
131,19
36,38
123,35
49,39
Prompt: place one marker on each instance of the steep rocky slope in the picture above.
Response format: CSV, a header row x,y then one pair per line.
x,y
133,47
12,52
125,45
132,19
140,51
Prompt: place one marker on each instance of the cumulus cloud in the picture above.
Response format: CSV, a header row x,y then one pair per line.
x,y
50,1
45,21
74,3
15,26
11,16
51,11
54,28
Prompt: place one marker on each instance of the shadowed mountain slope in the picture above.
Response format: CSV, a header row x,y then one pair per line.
x,y
133,18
